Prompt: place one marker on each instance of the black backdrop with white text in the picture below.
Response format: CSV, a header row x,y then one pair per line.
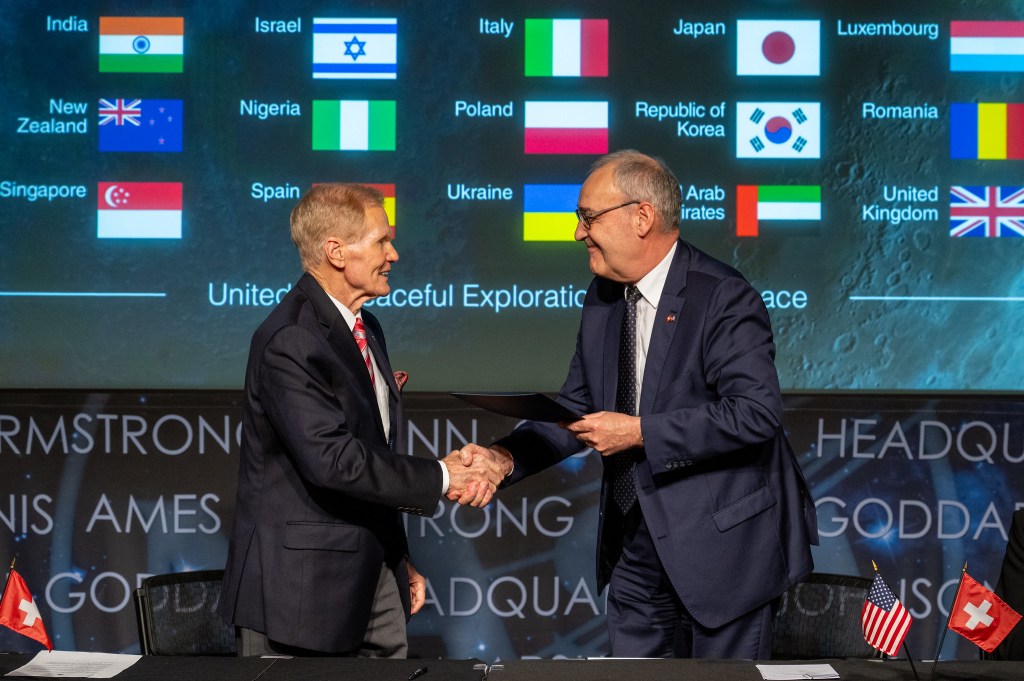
x,y
105,488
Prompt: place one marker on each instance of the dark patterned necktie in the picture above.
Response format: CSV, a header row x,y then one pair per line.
x,y
623,463
359,331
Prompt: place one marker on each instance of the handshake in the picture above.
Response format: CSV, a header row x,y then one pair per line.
x,y
474,473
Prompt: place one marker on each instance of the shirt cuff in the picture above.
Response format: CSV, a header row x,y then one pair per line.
x,y
445,479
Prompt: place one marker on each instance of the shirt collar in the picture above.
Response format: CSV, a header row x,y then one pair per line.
x,y
653,283
346,314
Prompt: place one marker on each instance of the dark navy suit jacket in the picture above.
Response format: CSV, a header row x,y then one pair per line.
x,y
320,490
719,487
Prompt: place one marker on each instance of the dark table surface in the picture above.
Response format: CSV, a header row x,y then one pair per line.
x,y
154,668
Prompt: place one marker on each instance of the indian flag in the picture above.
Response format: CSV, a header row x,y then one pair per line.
x,y
353,125
567,47
142,44
775,202
549,212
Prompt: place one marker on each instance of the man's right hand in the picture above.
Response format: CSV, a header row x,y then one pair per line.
x,y
474,473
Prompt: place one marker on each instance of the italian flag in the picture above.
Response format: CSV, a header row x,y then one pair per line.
x,y
353,125
142,44
775,202
567,47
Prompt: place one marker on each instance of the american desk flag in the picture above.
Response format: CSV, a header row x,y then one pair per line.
x,y
884,619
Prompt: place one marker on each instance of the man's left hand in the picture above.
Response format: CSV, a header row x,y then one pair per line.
x,y
608,432
417,589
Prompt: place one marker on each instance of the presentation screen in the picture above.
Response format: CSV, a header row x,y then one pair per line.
x,y
860,163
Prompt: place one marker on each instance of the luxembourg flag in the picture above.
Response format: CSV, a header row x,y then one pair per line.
x,y
139,210
567,47
986,46
566,128
549,212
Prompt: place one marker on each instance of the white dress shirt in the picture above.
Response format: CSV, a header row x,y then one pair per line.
x,y
651,287
380,387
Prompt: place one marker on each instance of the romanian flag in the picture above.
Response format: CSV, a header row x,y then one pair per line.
x,y
549,212
567,47
139,210
353,125
779,202
566,128
142,44
987,131
993,46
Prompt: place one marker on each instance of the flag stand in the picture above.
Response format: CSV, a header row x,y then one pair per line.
x,y
910,659
949,618
7,582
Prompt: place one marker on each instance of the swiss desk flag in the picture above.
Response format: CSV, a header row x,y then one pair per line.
x,y
980,616
18,611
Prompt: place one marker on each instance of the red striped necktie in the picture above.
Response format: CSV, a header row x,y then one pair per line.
x,y
359,331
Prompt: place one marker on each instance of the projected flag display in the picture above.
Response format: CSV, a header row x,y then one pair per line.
x,y
986,46
778,48
549,212
566,128
567,47
139,210
355,48
854,161
353,125
142,44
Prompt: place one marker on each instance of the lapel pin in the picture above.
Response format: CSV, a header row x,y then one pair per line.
x,y
670,318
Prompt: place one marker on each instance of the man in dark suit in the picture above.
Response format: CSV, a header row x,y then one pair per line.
x,y
1010,588
705,516
317,562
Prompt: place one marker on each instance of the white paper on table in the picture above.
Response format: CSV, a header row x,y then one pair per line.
x,y
66,664
788,672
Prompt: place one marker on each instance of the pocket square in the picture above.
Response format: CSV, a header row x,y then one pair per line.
x,y
400,378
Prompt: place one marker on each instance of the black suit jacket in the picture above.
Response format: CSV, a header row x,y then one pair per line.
x,y
719,487
320,490
1010,588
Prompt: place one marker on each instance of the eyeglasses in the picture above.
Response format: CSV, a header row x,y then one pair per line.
x,y
588,218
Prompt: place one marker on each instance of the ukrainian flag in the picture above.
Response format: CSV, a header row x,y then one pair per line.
x,y
549,212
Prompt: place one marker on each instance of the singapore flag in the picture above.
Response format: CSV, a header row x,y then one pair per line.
x,y
139,210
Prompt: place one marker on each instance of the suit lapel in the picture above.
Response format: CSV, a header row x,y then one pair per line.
x,y
612,333
670,309
339,336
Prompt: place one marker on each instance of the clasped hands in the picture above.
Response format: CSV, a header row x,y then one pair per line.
x,y
475,472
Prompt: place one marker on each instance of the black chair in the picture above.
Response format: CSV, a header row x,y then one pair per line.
x,y
820,618
177,615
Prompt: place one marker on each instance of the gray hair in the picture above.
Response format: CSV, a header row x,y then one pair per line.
x,y
330,210
646,178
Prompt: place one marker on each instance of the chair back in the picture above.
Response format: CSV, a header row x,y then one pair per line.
x,y
820,618
177,615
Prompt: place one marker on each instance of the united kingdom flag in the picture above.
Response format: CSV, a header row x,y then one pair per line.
x,y
986,211
120,112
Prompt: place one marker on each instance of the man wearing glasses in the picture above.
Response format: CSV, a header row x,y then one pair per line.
x,y
705,516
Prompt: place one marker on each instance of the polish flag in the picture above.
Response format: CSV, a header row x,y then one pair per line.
x,y
566,128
